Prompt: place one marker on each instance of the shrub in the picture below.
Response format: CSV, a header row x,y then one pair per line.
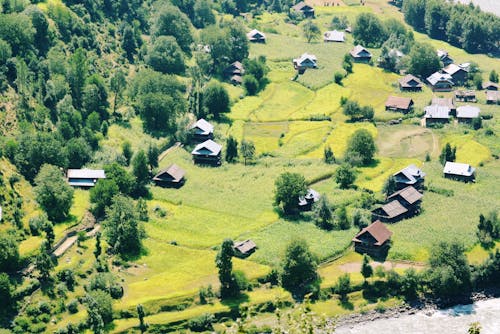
x,y
116,291
72,306
201,323
337,77
241,280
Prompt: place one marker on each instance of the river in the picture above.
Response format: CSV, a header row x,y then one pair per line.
x,y
455,320
492,6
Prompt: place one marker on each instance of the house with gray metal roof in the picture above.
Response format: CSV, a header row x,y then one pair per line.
x,y
440,82
459,171
256,36
334,36
172,176
409,176
243,249
207,153
465,114
436,114
306,202
304,62
360,54
458,73
84,178
202,130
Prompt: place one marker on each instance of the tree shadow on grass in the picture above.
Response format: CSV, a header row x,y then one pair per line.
x,y
346,304
235,303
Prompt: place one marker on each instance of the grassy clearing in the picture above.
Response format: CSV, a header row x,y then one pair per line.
x,y
265,136
132,132
397,141
468,150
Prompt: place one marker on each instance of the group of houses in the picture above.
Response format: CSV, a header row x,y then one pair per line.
x,y
441,110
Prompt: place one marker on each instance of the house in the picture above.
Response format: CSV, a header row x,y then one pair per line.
x,y
348,30
173,176
465,95
235,69
207,153
409,176
304,8
243,249
435,114
409,197
84,178
306,202
373,240
459,171
445,102
410,83
390,212
458,74
334,36
397,103
202,130
440,82
256,36
492,97
444,57
304,62
488,85
236,80
465,114
360,54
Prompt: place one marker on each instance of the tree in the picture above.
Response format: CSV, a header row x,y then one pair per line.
x,y
95,97
140,170
117,84
477,123
389,186
341,220
159,112
122,228
231,149
361,143
369,31
410,282
215,99
361,218
488,229
356,112
153,154
345,176
366,268
475,328
78,152
127,151
17,30
328,155
53,193
414,12
250,84
323,215
98,247
343,286
140,314
44,263
9,253
423,60
448,274
447,154
123,179
129,43
203,14
5,293
100,309
347,63
311,31
142,210
170,21
289,187
339,23
101,196
436,17
166,56
224,264
493,76
247,150
299,270
77,74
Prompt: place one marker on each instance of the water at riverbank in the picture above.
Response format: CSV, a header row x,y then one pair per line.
x,y
454,320
492,6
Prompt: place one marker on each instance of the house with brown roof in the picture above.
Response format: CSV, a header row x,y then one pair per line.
x,y
444,57
233,71
410,83
492,97
465,95
440,82
304,8
306,202
360,54
397,103
408,197
459,171
172,176
488,85
245,248
458,74
409,176
374,240
465,114
256,36
390,212
207,153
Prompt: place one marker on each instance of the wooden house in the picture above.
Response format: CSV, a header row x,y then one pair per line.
x,y
444,57
373,240
409,176
390,212
202,130
304,62
408,197
492,97
305,9
458,74
436,114
172,176
410,83
459,171
397,103
245,248
334,36
440,82
256,36
360,54
488,85
445,102
84,178
233,71
207,153
465,96
306,202
465,114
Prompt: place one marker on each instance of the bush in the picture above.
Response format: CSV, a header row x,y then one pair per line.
x,y
116,291
337,77
241,280
201,323
72,306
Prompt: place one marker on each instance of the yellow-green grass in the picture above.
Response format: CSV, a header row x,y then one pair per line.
x,y
132,133
265,136
477,254
235,92
330,272
304,137
78,259
325,102
338,138
169,271
373,178
468,150
446,218
406,141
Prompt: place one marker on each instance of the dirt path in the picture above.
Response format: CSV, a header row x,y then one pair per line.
x,y
354,267
168,150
